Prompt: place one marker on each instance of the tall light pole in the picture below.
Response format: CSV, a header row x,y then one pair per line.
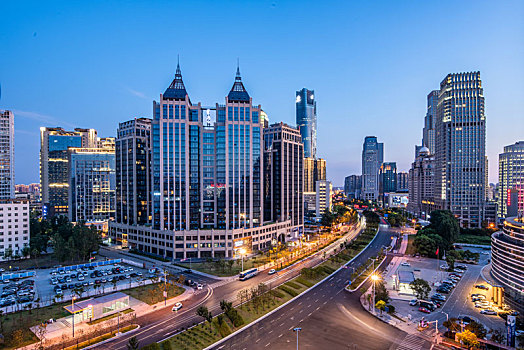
x,y
73,311
165,287
374,278
447,316
297,329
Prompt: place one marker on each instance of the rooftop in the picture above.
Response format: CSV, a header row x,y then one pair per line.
x,y
84,304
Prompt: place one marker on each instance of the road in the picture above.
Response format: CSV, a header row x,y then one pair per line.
x,y
329,317
164,323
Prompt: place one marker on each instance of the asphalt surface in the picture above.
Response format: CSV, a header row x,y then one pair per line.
x,y
162,324
329,318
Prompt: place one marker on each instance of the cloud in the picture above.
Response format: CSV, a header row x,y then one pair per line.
x,y
45,119
137,93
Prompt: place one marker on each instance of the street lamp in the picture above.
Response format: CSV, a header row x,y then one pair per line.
x,y
73,311
242,251
374,278
297,329
447,316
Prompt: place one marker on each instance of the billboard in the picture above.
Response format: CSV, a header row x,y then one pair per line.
x,y
397,200
242,246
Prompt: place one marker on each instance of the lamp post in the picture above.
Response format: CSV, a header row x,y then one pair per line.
x,y
73,311
242,252
374,278
447,316
297,329
165,287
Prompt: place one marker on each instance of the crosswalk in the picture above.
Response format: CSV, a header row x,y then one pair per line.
x,y
412,342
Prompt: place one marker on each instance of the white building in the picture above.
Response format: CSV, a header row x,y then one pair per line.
x,y
324,190
14,227
7,155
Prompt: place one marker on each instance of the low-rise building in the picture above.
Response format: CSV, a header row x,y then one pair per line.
x,y
14,228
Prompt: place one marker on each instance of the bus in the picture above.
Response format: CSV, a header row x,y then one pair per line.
x,y
244,275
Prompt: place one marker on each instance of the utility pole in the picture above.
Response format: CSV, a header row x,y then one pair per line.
x,y
297,329
165,287
73,311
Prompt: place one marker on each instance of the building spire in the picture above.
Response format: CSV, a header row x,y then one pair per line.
x,y
238,92
176,90
238,77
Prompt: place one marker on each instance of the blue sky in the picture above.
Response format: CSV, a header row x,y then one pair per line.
x,y
371,64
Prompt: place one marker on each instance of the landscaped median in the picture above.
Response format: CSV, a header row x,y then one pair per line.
x,y
257,302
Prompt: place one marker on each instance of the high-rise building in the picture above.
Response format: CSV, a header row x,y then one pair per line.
x,y
428,133
388,177
460,148
352,186
324,190
306,119
314,170
402,181
15,236
372,159
91,196
7,155
511,179
421,184
54,176
133,172
206,179
283,174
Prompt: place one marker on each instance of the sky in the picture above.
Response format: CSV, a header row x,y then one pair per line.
x,y
93,64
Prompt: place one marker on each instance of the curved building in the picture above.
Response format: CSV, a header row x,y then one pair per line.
x,y
507,247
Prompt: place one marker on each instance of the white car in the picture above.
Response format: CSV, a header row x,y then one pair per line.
x,y
405,264
199,286
488,312
444,267
272,271
177,306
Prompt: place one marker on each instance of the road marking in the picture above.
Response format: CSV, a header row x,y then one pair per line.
x,y
292,308
317,308
325,302
261,327
282,334
280,325
300,303
316,301
267,345
257,340
309,305
271,331
301,320
290,328
300,311
309,314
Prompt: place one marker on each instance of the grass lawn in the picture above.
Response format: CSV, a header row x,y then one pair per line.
x,y
153,293
410,249
473,239
16,325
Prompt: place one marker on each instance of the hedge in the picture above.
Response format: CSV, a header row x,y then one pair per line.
x,y
289,291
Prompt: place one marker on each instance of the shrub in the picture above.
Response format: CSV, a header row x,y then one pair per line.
x,y
289,291
277,293
304,281
166,345
153,346
292,285
235,318
391,309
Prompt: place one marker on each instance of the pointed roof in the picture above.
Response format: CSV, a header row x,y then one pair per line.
x,y
238,92
176,90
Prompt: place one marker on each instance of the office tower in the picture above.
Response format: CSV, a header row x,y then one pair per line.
x,y
283,174
264,119
421,184
460,148
306,119
388,177
428,133
372,159
15,236
54,177
324,191
352,186
91,196
511,180
7,155
314,170
402,181
206,179
133,157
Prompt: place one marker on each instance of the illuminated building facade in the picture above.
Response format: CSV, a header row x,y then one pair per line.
x,y
7,155
511,180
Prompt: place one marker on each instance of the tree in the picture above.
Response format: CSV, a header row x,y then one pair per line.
x,y
468,338
477,328
421,288
452,325
498,336
209,319
202,311
381,293
132,344
381,305
327,219
446,225
225,306
426,246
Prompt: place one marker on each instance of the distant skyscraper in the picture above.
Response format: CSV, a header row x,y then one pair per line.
x,y
7,155
54,176
388,177
421,184
283,174
428,133
402,181
511,180
306,107
92,182
133,158
460,148
353,186
372,159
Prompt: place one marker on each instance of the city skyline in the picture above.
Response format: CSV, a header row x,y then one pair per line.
x,y
346,93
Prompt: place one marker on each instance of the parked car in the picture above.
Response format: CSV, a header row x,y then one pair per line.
x,y
444,267
177,306
199,286
413,302
424,310
481,286
488,312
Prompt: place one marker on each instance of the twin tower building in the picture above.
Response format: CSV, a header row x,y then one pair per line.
x,y
199,182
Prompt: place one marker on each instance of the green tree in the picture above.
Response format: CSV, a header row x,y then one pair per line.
x,y
132,344
477,328
426,246
381,293
328,218
498,336
421,288
202,311
225,306
446,225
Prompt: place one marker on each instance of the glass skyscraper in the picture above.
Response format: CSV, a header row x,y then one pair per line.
x,y
7,155
372,159
511,180
460,148
306,107
428,133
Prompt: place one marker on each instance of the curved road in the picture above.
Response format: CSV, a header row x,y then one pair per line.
x,y
329,317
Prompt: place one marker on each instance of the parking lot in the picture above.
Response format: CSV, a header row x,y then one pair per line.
x,y
51,285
